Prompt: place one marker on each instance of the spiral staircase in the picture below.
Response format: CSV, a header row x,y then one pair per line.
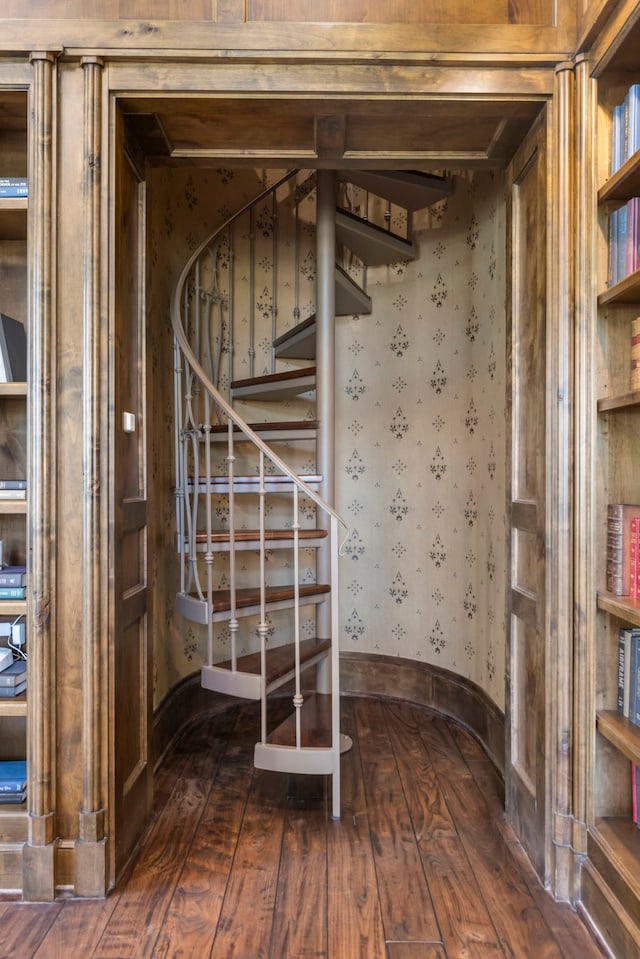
x,y
242,497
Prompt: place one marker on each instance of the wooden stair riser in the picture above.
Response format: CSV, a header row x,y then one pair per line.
x,y
198,610
249,685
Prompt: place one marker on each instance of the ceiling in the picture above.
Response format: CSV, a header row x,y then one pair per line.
x,y
317,132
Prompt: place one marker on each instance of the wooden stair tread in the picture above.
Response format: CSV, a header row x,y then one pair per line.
x,y
279,660
372,244
307,324
249,535
412,189
250,595
221,482
315,720
271,426
274,378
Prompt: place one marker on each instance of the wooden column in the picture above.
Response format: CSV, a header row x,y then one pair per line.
x,y
585,439
39,851
90,848
559,538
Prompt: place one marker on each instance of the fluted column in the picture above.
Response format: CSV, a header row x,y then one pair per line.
x,y
586,224
559,627
38,858
90,851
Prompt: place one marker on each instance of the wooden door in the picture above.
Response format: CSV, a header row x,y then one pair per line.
x,y
526,706
133,782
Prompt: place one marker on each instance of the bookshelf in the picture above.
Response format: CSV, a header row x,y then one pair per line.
x,y
611,872
13,439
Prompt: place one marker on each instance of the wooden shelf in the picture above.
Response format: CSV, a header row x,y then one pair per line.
x,y
619,839
626,290
623,184
13,506
13,607
13,389
609,404
13,218
620,732
14,706
623,607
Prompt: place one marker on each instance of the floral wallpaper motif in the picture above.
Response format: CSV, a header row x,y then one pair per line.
x,y
420,446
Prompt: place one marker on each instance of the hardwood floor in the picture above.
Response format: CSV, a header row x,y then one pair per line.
x,y
243,864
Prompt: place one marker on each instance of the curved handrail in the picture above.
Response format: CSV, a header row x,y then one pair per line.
x,y
199,370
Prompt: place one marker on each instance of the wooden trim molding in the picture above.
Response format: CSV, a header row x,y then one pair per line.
x,y
361,674
38,856
90,849
393,677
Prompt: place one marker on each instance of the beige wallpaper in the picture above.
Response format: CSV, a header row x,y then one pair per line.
x,y
420,402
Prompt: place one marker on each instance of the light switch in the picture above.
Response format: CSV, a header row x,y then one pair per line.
x,y
129,422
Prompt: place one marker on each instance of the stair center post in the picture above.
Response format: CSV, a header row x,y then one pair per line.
x,y
325,372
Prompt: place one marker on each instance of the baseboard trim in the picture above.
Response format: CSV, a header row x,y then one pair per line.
x,y
361,674
393,677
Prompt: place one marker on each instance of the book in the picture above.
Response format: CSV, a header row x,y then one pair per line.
x,y
13,575
11,494
14,797
13,350
634,793
634,559
14,186
13,774
13,484
619,516
634,381
15,674
634,678
13,592
624,667
9,692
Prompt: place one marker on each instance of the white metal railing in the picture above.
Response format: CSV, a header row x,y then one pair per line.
x,y
202,336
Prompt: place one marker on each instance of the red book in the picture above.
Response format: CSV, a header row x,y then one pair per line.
x,y
634,793
619,516
633,558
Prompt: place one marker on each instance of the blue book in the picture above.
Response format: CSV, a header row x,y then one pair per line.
x,y
634,679
624,662
13,775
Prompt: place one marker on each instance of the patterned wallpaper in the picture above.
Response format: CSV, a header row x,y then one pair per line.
x,y
420,403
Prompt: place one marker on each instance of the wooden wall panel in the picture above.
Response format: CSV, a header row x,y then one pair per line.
x,y
403,11
521,12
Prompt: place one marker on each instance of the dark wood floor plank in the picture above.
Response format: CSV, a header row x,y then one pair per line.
x,y
407,908
76,929
464,921
23,927
216,874
573,935
520,925
246,918
190,925
415,950
140,912
300,921
353,916
427,806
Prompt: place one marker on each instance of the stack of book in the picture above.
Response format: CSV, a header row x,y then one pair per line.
x,y
13,582
625,128
13,781
623,549
13,679
624,240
